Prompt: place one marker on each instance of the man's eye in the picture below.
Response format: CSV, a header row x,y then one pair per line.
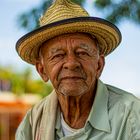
x,y
82,54
58,56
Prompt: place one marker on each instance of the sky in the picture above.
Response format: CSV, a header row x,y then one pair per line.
x,y
122,66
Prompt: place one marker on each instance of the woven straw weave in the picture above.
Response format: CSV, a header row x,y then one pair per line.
x,y
64,17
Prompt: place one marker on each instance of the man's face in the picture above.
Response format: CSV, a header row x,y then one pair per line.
x,y
72,63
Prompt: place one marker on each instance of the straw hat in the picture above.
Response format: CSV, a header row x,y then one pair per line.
x,y
62,17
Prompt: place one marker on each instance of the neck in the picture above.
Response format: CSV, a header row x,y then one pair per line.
x,y
76,109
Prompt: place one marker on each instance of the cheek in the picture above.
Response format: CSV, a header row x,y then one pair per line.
x,y
91,70
53,72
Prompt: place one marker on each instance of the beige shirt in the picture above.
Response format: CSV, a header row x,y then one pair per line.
x,y
115,115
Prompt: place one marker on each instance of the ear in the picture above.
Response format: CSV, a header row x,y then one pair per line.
x,y
41,70
101,63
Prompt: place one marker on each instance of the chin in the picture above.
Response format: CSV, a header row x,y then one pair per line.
x,y
72,89
73,92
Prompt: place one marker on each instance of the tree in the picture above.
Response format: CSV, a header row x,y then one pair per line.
x,y
29,20
22,83
113,10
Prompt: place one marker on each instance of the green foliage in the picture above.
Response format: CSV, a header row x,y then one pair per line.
x,y
29,20
80,2
22,83
102,3
113,10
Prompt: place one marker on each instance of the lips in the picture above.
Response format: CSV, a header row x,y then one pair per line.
x,y
72,78
66,75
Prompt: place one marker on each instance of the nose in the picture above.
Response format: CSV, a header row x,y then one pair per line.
x,y
71,63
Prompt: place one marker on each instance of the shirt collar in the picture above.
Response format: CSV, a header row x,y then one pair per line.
x,y
98,116
58,127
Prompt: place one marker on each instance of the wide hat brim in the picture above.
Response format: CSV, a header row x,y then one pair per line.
x,y
107,34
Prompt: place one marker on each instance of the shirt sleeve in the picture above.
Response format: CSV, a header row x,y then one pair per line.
x,y
24,131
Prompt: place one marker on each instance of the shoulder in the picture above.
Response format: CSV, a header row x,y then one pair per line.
x,y
24,130
38,109
123,99
122,96
27,127
124,109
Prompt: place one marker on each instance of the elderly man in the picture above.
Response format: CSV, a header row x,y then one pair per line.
x,y
69,49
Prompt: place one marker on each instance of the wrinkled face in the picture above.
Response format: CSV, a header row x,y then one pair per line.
x,y
72,63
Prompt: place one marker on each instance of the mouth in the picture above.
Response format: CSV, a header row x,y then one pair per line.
x,y
73,78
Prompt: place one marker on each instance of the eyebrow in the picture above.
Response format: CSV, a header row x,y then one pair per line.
x,y
84,46
54,50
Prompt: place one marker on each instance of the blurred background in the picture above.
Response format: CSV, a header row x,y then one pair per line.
x,y
21,86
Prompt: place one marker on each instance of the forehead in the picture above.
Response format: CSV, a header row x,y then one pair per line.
x,y
73,38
